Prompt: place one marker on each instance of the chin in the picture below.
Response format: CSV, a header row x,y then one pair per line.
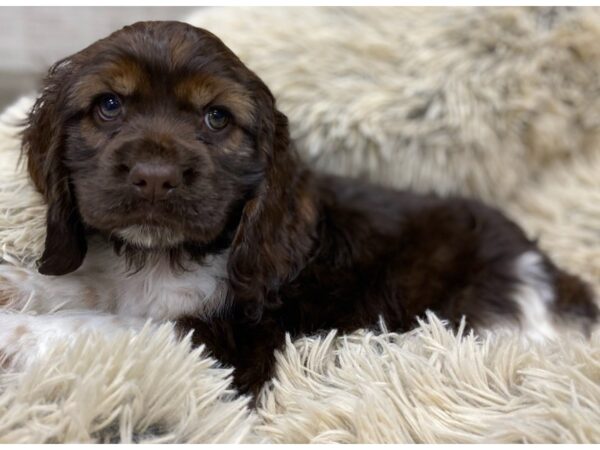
x,y
151,237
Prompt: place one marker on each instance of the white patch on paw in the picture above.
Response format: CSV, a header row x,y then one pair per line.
x,y
534,296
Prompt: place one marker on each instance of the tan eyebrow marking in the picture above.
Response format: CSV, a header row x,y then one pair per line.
x,y
202,90
126,77
123,78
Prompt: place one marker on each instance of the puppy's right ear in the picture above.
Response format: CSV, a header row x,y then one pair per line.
x,y
43,142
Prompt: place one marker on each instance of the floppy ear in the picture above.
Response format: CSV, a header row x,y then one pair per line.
x,y
278,226
43,145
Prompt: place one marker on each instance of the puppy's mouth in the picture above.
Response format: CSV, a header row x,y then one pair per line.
x,y
151,236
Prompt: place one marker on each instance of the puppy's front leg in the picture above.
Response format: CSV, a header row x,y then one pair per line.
x,y
29,320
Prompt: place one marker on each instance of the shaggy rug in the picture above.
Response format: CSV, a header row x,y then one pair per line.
x,y
498,103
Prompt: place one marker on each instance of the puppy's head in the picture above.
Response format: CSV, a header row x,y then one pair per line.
x,y
159,136
152,135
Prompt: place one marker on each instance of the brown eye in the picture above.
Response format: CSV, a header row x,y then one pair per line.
x,y
217,118
109,107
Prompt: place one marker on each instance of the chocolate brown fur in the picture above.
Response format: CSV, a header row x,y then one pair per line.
x,y
307,251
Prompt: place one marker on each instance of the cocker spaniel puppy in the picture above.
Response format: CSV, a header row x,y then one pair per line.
x,y
175,194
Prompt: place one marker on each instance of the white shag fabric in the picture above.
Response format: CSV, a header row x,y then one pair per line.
x,y
432,386
123,388
498,103
470,100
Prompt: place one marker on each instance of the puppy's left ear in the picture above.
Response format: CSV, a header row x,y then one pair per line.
x,y
43,145
278,227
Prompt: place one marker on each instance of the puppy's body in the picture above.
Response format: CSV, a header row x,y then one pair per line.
x,y
174,193
384,254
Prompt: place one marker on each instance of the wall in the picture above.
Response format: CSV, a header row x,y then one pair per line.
x,y
32,38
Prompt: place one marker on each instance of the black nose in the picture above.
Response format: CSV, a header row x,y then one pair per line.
x,y
154,181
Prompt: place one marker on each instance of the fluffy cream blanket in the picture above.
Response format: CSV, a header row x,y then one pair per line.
x,y
499,103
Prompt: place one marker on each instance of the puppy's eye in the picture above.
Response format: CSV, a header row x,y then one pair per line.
x,y
109,107
217,118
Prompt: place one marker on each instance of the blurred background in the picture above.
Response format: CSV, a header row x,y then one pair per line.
x,y
32,38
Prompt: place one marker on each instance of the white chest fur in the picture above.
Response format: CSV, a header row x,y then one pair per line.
x,y
105,283
158,290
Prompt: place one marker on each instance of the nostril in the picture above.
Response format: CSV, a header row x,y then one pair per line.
x,y
123,168
168,185
188,175
140,183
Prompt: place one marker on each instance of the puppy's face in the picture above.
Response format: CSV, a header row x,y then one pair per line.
x,y
159,135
